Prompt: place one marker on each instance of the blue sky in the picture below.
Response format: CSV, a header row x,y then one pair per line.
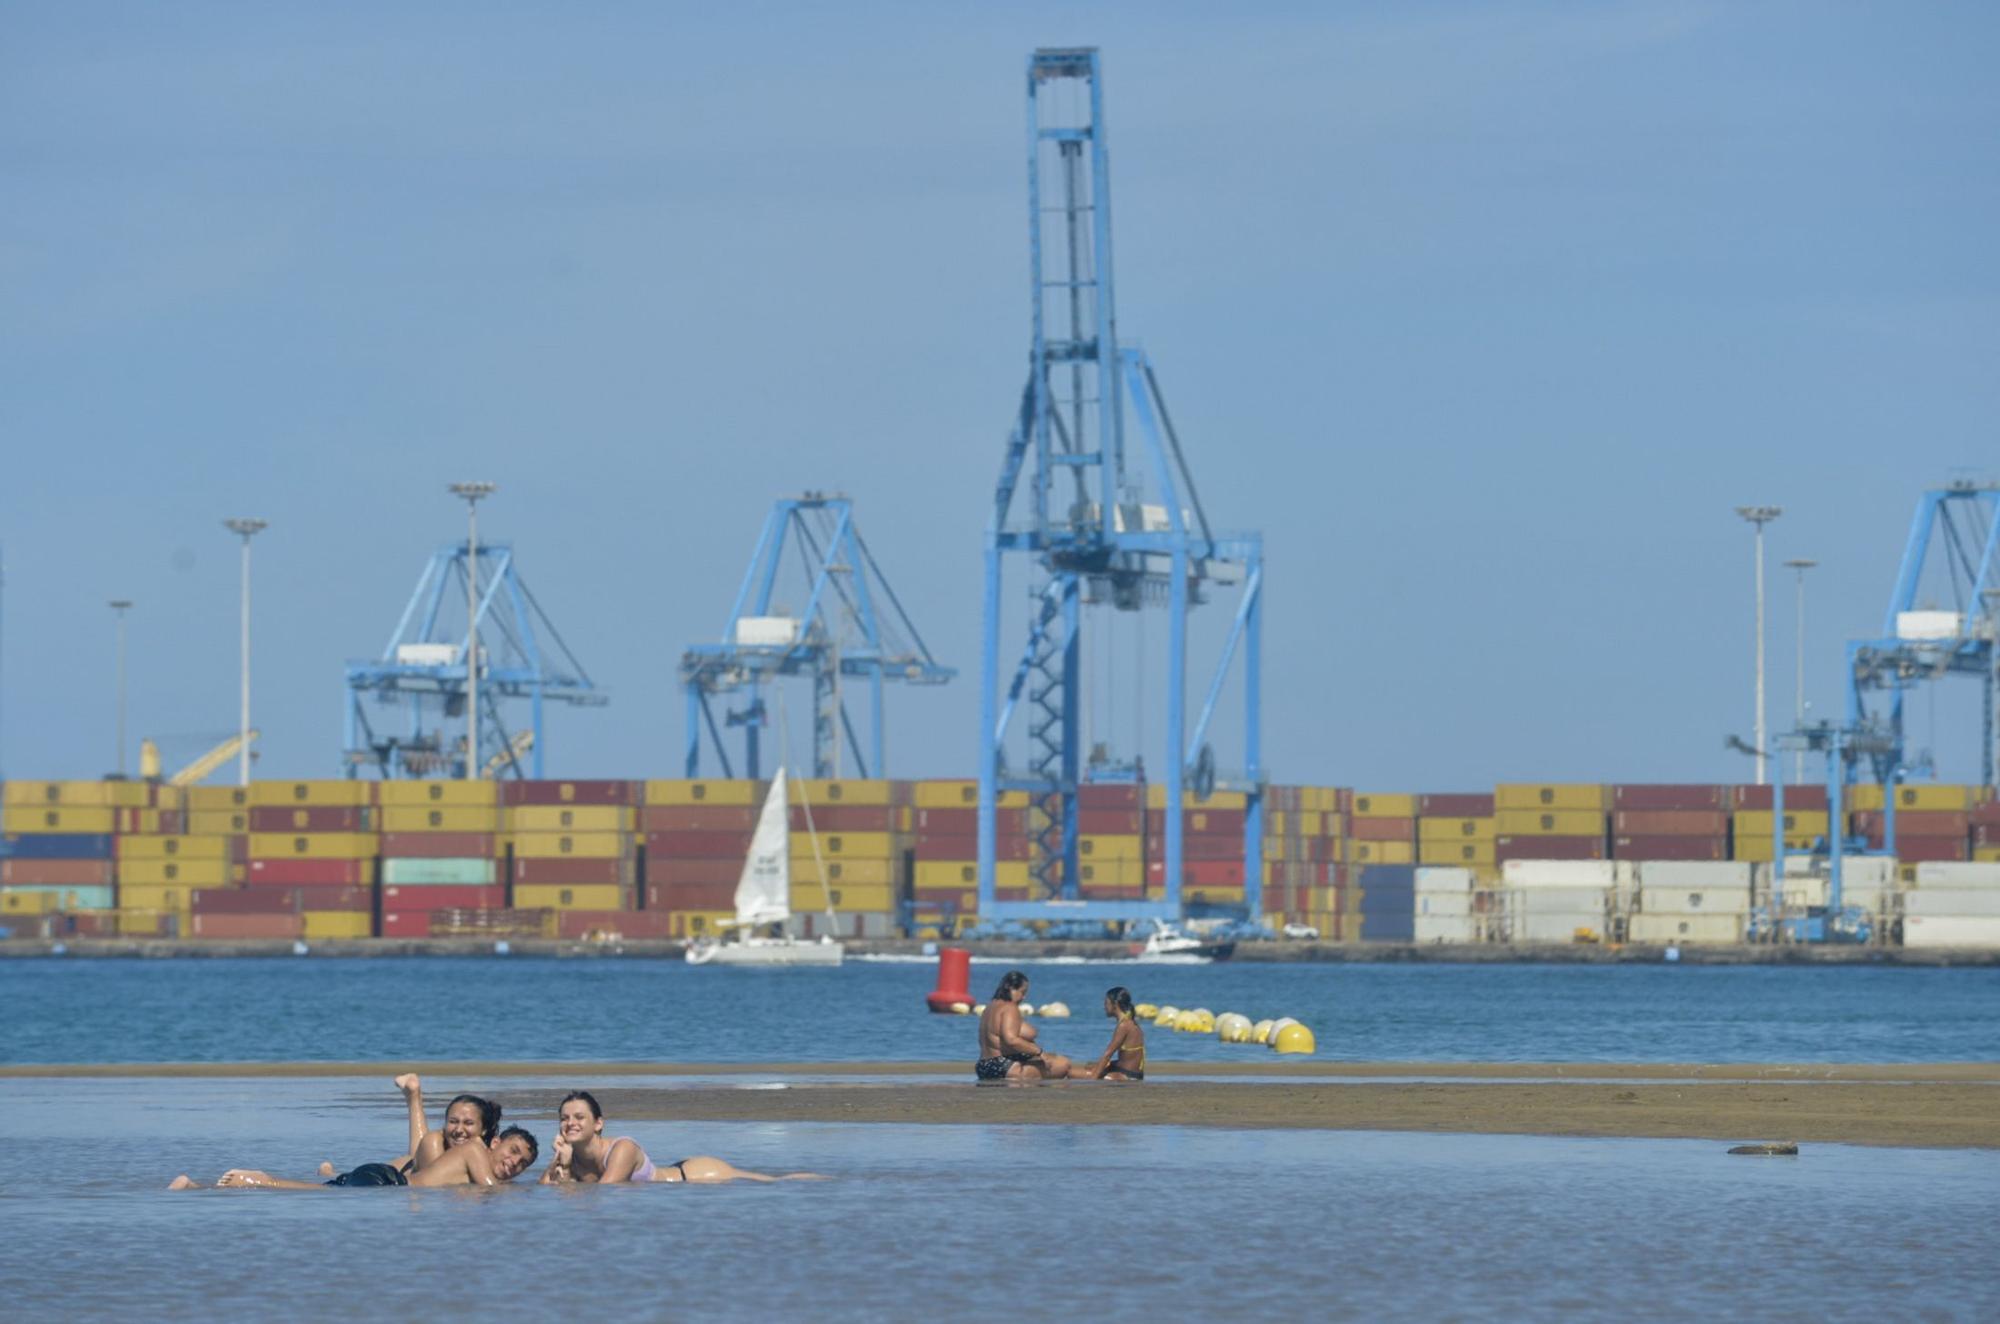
x,y
1487,315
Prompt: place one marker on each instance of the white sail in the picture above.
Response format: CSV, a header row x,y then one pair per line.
x,y
764,892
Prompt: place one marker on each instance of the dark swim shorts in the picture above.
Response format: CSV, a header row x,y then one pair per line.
x,y
372,1174
992,1068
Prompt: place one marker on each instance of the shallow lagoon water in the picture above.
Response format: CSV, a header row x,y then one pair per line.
x,y
923,1222
390,1010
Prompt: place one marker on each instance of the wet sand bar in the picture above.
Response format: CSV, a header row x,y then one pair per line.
x,y
1934,1105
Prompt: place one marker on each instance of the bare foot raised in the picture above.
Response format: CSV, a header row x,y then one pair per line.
x,y
183,1183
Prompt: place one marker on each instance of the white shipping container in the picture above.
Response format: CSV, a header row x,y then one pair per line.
x,y
1694,875
1980,902
1565,873
1553,928
1665,929
1445,928
1443,880
1954,874
1917,625
1813,892
1557,901
1706,901
767,631
1444,904
1951,931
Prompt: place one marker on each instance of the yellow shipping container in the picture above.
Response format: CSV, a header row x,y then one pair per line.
x,y
150,896
1448,850
699,923
1758,848
285,795
1376,804
844,871
822,791
321,924
173,848
570,818
1938,799
1226,896
1456,829
1156,798
313,845
575,896
961,795
861,845
455,794
215,798
182,872
77,795
1112,873
138,922
38,818
28,903
733,793
1986,854
855,898
1381,852
218,822
449,818
1108,847
572,845
1760,823
1537,795
948,876
1549,823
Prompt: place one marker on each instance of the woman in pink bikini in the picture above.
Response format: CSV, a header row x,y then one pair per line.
x,y
584,1154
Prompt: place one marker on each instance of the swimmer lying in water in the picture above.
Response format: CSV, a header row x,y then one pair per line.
x,y
583,1154
467,1117
510,1154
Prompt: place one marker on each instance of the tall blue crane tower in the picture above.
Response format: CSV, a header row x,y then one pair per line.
x,y
1943,619
851,626
422,671
1102,528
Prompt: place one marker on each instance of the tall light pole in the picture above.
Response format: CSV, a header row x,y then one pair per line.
x,y
121,606
246,529
1760,516
472,494
1799,565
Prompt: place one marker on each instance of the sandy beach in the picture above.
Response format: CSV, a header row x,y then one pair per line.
x,y
1954,1104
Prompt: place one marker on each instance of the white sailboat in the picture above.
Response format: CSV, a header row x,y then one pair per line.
x,y
764,899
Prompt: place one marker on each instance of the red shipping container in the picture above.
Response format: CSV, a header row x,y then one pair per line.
x,y
965,822
1671,823
1098,822
641,924
1219,822
571,872
1455,805
443,896
1986,834
406,924
967,848
1986,815
1688,798
691,896
697,818
846,818
310,873
1670,848
1197,848
1384,829
309,818
1110,795
248,926
243,901
1912,823
696,845
335,898
1796,797
1919,850
571,793
693,873
56,873
437,846
1199,873
1549,848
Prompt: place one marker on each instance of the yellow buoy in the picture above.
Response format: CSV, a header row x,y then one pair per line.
x,y
1148,1010
979,1009
1055,1011
1232,1027
1276,1026
1294,1038
961,1009
1165,1018
1260,1033
1027,1009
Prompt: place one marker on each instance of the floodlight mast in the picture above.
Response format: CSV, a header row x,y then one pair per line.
x,y
246,529
472,494
1760,516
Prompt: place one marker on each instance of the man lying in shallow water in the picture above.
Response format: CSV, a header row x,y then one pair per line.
x,y
511,1153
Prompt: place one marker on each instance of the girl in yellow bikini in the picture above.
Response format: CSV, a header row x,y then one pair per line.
x,y
1125,1057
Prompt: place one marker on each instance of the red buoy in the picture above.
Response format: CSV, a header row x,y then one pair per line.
x,y
953,980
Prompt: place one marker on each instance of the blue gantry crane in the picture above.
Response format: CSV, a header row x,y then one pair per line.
x,y
1104,528
851,626
422,670
1943,617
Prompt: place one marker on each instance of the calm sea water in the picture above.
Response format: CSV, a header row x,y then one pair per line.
x,y
922,1223
634,1010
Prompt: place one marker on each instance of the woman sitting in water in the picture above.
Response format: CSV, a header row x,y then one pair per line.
x,y
506,1157
582,1154
1007,1048
467,1117
1125,1057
